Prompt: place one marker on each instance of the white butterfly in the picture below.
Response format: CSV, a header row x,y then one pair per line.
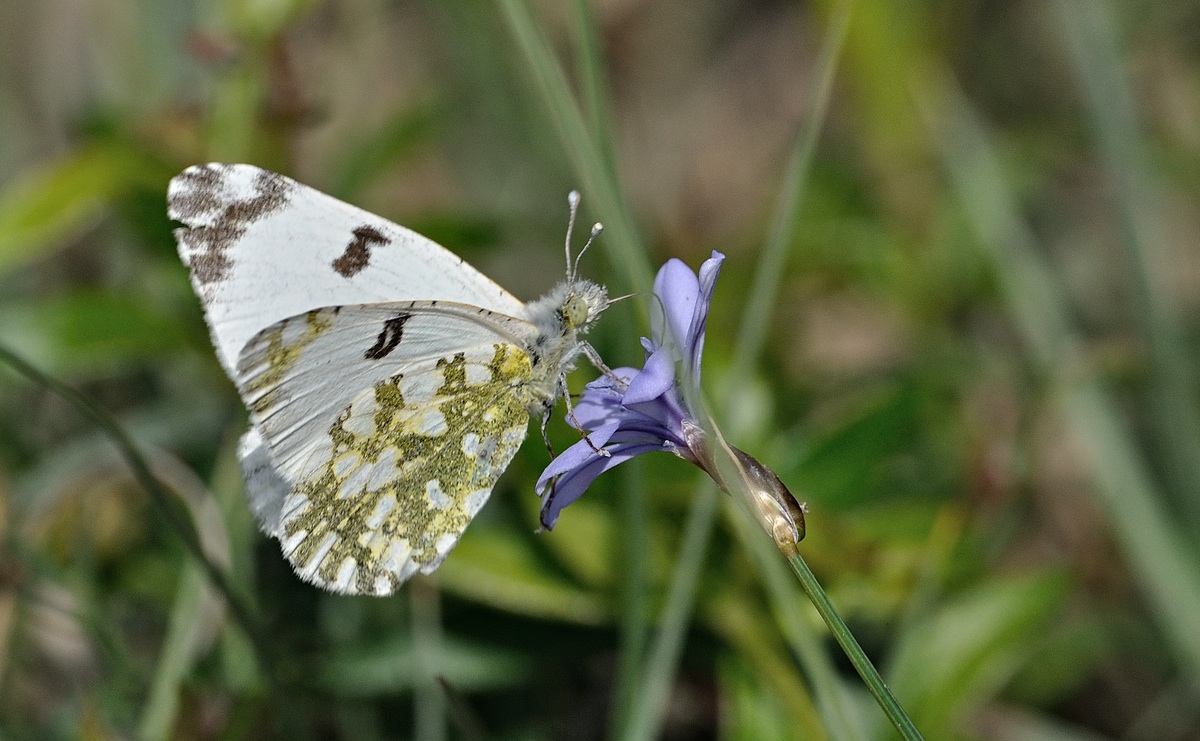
x,y
389,383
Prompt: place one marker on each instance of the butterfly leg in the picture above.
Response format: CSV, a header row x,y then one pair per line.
x,y
546,411
575,423
598,363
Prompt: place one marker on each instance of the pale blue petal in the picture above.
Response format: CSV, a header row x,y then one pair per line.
x,y
677,291
596,408
600,401
571,485
666,413
656,379
709,272
577,455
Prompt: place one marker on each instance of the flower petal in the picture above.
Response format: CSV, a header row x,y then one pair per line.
x,y
596,408
709,272
656,379
600,402
577,454
676,290
571,485
665,413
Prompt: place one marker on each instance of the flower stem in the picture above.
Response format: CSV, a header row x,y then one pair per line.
x,y
853,651
765,497
625,245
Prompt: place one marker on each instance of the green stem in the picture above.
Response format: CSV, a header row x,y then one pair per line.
x,y
836,705
627,251
772,263
854,652
593,83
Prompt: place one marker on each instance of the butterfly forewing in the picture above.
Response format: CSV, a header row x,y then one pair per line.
x,y
262,247
385,427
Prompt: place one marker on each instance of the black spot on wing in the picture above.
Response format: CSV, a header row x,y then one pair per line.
x,y
389,337
199,195
358,252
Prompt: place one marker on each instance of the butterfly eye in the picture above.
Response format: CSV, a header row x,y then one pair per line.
x,y
575,311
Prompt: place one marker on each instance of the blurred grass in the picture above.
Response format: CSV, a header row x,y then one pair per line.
x,y
1163,562
1092,39
978,336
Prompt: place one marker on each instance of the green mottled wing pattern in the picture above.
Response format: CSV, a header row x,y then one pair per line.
x,y
382,429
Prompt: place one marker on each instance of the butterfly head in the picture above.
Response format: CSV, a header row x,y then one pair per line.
x,y
583,302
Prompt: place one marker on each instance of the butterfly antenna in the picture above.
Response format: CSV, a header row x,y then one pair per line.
x,y
597,228
573,202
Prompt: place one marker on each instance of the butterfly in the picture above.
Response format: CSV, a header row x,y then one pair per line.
x,y
388,382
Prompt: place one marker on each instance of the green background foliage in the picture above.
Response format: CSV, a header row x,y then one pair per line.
x,y
958,317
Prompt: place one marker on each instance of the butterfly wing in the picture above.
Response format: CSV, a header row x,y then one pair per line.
x,y
262,247
378,431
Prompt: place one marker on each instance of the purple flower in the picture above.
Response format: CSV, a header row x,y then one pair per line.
x,y
635,412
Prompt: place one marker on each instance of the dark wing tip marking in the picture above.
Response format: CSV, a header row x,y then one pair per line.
x,y
202,197
389,337
193,193
358,253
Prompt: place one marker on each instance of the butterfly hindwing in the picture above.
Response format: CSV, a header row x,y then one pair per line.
x,y
262,247
378,431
